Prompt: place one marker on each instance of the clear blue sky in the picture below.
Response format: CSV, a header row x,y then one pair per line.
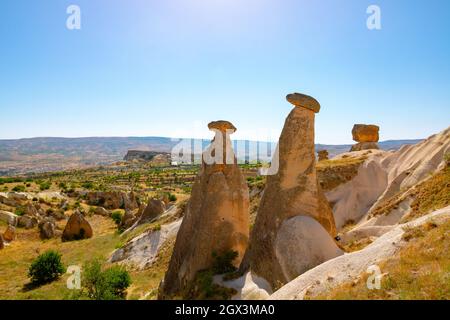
x,y
168,67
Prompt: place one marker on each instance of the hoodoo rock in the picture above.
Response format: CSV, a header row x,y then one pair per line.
x,y
367,136
323,155
216,219
154,208
77,228
294,215
10,234
47,228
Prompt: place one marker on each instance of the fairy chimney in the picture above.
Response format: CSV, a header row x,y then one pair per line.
x,y
217,215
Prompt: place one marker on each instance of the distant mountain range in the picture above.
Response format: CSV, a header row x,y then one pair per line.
x,y
54,154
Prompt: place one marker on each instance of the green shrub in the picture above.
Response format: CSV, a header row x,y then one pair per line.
x,y
223,263
117,217
109,284
203,286
87,185
44,185
19,188
46,268
20,211
172,197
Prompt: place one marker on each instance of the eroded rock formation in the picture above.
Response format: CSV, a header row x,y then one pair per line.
x,y
10,234
292,201
77,228
323,155
367,136
216,217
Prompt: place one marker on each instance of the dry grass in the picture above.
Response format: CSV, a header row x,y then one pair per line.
x,y
357,245
430,195
332,173
16,259
420,271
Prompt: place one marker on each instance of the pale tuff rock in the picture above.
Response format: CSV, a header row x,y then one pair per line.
x,y
216,217
291,193
345,268
8,217
386,174
141,252
364,146
367,136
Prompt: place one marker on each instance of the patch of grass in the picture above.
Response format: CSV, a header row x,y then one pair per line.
x,y
357,245
16,259
433,194
419,271
333,173
19,188
203,286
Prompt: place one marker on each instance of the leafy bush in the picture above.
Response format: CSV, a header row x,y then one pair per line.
x,y
19,188
109,284
44,185
117,217
46,268
223,263
172,197
203,286
87,185
20,211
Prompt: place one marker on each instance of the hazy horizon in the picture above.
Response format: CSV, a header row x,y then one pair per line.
x,y
168,68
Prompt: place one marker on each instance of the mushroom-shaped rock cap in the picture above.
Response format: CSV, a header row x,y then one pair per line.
x,y
222,125
302,100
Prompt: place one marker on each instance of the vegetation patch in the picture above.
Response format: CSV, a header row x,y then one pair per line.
x,y
46,268
203,286
419,271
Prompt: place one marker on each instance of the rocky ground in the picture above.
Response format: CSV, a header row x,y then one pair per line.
x,y
388,206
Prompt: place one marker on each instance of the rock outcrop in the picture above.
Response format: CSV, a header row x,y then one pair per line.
x,y
386,174
2,242
216,219
141,252
323,155
27,222
8,217
47,228
77,228
10,234
112,200
367,136
154,208
102,212
140,155
292,200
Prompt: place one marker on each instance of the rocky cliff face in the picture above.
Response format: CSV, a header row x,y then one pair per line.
x,y
216,218
292,194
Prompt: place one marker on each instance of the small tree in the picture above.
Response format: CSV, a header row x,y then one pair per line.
x,y
109,284
46,268
117,217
